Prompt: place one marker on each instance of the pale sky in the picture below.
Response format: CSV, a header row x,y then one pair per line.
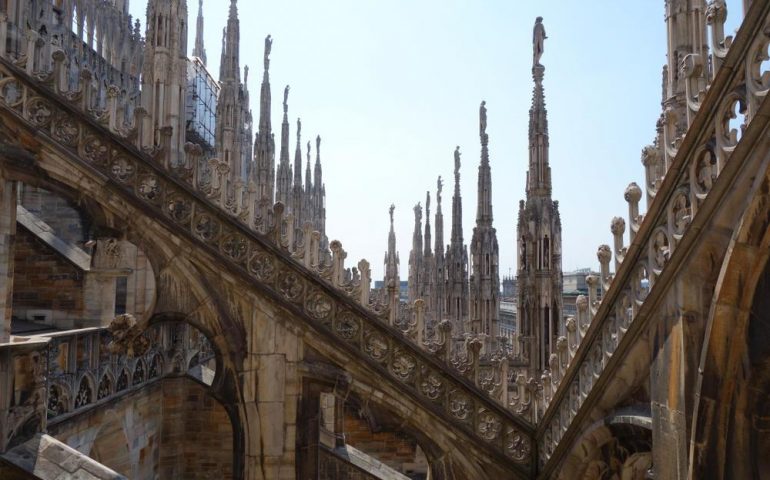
x,y
392,86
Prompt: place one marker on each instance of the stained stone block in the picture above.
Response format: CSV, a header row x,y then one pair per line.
x,y
271,416
272,378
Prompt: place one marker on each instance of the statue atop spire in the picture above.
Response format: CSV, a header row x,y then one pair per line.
x,y
483,120
268,48
457,165
392,209
538,41
439,188
285,99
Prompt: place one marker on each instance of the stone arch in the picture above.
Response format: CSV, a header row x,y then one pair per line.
x,y
78,231
111,446
733,367
139,375
86,391
181,288
123,381
106,386
156,366
617,446
447,456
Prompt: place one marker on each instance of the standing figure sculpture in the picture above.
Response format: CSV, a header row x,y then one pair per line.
x,y
268,48
439,188
538,41
457,164
286,98
483,119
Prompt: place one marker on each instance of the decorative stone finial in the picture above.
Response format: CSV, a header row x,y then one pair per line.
x,y
538,41
633,193
618,226
604,254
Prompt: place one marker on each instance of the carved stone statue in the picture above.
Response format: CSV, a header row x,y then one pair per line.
x,y
439,188
268,48
457,162
538,41
286,99
483,119
392,209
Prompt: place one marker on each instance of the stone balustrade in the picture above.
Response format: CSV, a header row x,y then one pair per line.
x,y
85,368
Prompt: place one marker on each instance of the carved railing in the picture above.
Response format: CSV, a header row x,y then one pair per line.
x,y
85,369
659,241
323,302
59,375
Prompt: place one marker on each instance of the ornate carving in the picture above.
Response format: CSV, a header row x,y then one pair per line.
x,y
84,396
95,151
375,345
39,112
178,208
206,228
460,405
66,131
262,267
127,338
403,365
123,169
290,286
432,386
56,401
148,187
105,387
319,306
235,247
347,326
138,376
488,426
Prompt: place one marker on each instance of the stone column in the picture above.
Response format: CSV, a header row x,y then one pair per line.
x,y
673,372
7,237
101,283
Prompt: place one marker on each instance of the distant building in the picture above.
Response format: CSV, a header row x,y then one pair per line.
x,y
509,288
575,285
403,294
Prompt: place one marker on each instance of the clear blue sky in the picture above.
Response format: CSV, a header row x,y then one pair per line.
x,y
393,86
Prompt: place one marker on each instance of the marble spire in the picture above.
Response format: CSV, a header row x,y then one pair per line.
x,y
264,145
457,261
284,176
391,257
199,50
485,279
539,274
416,257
